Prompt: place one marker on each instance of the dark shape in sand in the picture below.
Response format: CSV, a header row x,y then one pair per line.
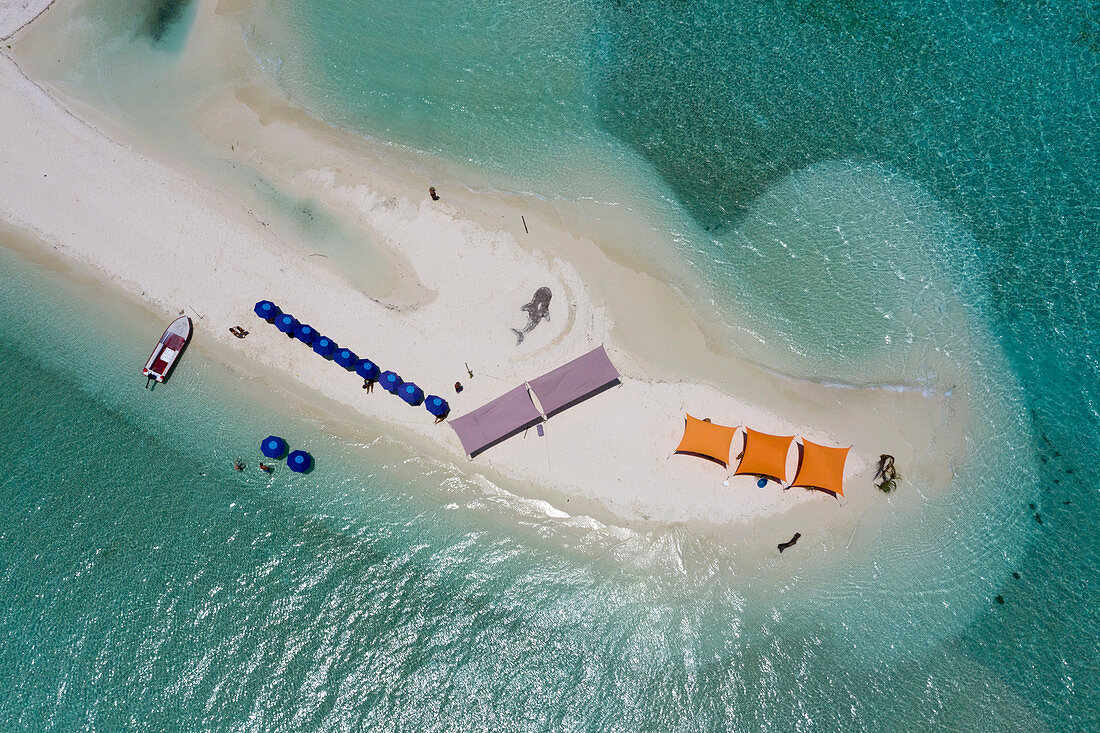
x,y
784,545
888,473
537,310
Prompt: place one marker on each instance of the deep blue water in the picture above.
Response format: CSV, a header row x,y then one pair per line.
x,y
884,192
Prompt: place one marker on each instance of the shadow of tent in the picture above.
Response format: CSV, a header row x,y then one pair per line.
x,y
815,488
505,437
704,456
582,398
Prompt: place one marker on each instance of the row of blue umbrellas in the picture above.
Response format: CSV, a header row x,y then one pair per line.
x,y
275,447
365,368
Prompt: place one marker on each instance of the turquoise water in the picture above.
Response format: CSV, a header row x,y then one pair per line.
x,y
883,192
898,193
147,586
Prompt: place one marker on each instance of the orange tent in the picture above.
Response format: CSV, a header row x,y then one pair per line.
x,y
706,440
821,468
765,455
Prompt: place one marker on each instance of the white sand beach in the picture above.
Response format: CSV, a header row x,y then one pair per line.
x,y
453,275
14,14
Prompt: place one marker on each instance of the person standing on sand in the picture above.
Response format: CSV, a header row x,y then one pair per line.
x,y
368,384
432,193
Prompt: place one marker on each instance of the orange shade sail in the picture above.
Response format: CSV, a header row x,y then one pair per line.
x,y
821,467
706,440
765,455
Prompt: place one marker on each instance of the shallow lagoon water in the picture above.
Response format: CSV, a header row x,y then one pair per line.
x,y
927,164
147,585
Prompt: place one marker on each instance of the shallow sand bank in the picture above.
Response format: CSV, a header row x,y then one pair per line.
x,y
181,238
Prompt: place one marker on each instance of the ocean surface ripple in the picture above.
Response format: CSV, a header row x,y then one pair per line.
x,y
886,193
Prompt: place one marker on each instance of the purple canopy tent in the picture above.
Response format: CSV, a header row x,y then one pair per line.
x,y
575,381
493,422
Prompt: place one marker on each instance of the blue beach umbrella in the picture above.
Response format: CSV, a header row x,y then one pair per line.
x,y
390,382
305,334
436,405
346,358
324,346
299,461
367,369
267,310
411,393
286,323
273,447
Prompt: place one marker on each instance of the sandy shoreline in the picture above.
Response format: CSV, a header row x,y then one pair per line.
x,y
164,233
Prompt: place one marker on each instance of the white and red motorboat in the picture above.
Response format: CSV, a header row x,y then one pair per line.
x,y
168,349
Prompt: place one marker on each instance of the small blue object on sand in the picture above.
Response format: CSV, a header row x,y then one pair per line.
x,y
367,369
286,323
436,405
761,482
410,393
346,358
390,382
267,310
305,333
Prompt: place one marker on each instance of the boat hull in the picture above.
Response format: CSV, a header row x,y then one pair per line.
x,y
168,349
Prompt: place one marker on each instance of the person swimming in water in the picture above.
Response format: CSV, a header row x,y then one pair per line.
x,y
266,468
238,465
